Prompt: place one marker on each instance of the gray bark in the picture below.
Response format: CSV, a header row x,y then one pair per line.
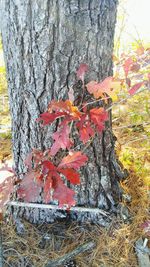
x,y
44,43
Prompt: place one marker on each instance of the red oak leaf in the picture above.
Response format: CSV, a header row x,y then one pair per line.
x,y
62,140
6,189
64,195
47,186
37,156
73,160
6,167
49,171
71,175
83,68
98,117
135,67
86,132
127,65
134,88
7,180
106,86
64,106
47,167
85,129
84,118
48,118
92,87
29,190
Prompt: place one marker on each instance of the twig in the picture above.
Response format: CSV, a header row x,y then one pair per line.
x,y
138,139
131,125
56,207
13,251
119,102
70,255
7,264
93,102
124,99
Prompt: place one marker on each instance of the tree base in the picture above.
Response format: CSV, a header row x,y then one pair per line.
x,y
41,213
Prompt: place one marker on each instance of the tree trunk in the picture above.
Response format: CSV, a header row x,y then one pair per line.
x,y
44,43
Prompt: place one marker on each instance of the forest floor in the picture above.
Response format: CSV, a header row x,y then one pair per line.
x,y
115,245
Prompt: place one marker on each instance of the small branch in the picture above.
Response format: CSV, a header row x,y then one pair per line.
x,y
124,99
138,139
71,255
56,207
95,101
119,102
131,125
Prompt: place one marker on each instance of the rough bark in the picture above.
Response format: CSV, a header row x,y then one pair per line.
x,y
44,43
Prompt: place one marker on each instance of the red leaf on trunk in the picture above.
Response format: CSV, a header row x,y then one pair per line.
x,y
5,167
64,106
47,167
83,68
71,175
73,160
85,129
29,190
64,195
106,86
47,186
98,117
86,133
6,189
134,88
48,118
62,140
92,87
37,156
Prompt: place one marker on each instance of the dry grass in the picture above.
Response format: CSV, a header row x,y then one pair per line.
x,y
5,149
